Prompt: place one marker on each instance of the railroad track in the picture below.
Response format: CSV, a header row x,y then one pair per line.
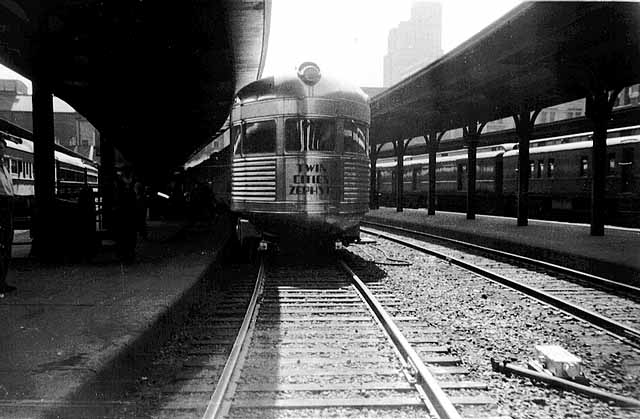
x,y
611,306
208,340
317,342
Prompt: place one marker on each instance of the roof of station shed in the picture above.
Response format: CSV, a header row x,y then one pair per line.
x,y
156,78
539,54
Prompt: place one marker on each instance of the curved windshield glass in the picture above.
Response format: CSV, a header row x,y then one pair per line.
x,y
355,138
259,137
235,139
310,135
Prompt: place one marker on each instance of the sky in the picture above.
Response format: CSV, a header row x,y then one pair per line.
x,y
348,38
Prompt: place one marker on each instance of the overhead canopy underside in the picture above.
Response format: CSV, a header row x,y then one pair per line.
x,y
156,78
538,55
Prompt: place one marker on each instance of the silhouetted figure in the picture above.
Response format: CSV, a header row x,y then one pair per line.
x,y
6,222
124,215
87,222
141,209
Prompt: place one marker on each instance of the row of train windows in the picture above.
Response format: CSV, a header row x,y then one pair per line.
x,y
20,168
301,134
537,169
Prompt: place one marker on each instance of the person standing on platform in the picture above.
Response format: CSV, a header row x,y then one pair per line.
x,y
124,211
6,221
141,208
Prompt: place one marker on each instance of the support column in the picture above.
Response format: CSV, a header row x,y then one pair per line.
x,y
373,158
43,167
398,147
524,127
432,139
106,180
471,135
599,105
373,190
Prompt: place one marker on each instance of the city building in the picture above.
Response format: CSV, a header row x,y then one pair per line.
x,y
71,130
414,43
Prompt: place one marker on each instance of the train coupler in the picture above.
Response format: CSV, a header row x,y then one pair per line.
x,y
338,245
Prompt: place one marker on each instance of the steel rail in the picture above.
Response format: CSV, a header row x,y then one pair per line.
x,y
625,288
217,398
436,396
623,332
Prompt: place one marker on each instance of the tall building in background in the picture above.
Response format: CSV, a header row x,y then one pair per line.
x,y
414,43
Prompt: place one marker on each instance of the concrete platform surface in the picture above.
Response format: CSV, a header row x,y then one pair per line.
x,y
615,255
67,324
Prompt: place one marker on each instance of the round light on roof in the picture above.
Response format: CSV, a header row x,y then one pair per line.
x,y
309,73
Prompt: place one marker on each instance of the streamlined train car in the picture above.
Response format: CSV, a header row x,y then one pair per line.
x,y
299,165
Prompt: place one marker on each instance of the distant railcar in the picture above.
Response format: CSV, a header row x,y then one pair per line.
x,y
559,181
560,178
451,179
72,173
299,157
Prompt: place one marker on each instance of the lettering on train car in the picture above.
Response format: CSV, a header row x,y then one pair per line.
x,y
310,179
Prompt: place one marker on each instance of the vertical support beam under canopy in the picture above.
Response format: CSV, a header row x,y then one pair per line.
x,y
471,133
399,148
524,121
373,190
432,138
599,105
107,179
43,155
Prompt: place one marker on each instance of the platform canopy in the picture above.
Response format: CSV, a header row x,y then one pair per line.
x,y
156,78
538,55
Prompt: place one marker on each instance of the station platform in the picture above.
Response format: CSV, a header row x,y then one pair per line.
x,y
70,329
616,255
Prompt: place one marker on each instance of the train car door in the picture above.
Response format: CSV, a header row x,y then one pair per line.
x,y
627,169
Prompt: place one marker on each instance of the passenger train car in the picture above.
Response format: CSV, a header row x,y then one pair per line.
x,y
559,182
72,173
299,165
298,155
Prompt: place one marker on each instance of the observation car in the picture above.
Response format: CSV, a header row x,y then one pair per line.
x,y
299,165
559,180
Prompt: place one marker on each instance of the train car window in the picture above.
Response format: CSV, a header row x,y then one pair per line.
x,y
355,138
235,139
611,166
540,172
551,167
259,137
319,134
14,166
532,168
414,180
310,135
584,165
292,137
